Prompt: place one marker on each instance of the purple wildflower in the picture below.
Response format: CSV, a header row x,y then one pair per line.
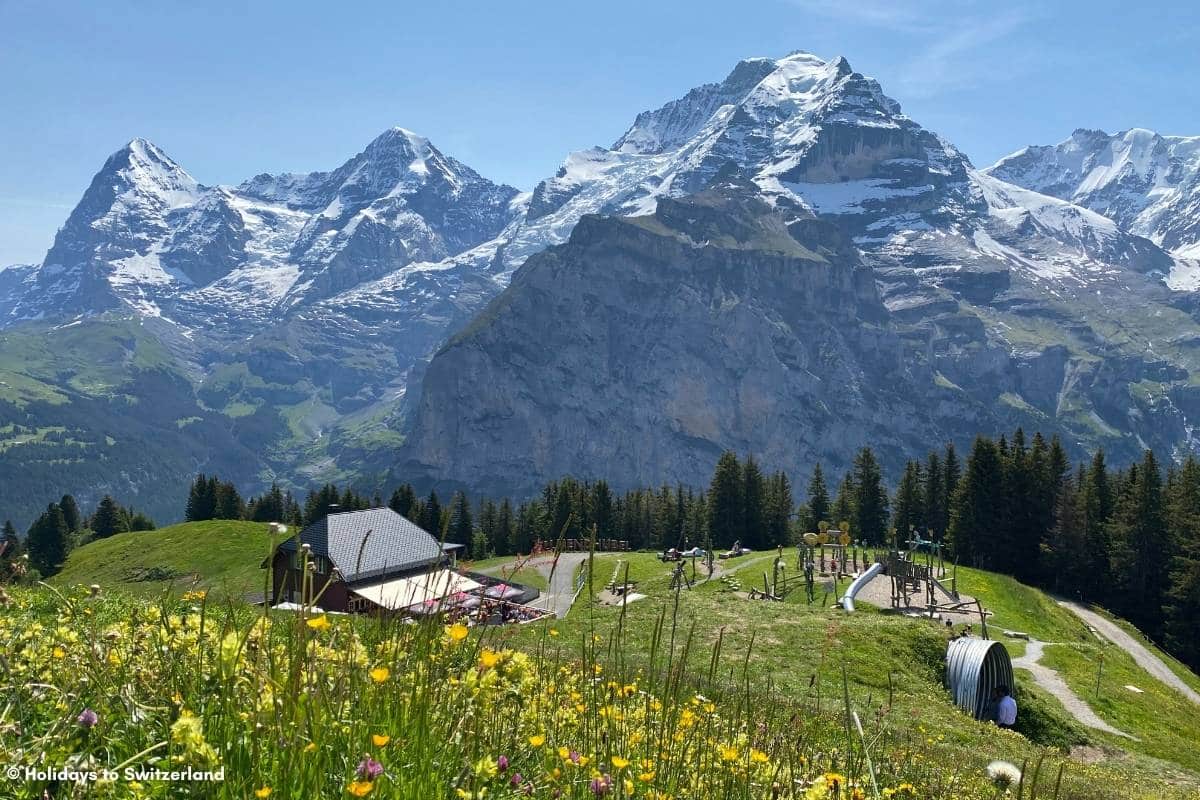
x,y
574,756
502,763
369,769
88,718
601,785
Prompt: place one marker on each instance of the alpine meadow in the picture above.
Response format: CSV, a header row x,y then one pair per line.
x,y
775,451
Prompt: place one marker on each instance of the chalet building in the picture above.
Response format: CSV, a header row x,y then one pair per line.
x,y
373,560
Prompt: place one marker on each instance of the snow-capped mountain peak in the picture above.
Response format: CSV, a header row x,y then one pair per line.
x,y
149,168
1147,183
146,234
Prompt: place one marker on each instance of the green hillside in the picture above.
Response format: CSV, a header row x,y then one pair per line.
x,y
220,555
801,649
103,406
893,665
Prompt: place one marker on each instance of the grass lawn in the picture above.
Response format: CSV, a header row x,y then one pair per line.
x,y
1167,723
220,555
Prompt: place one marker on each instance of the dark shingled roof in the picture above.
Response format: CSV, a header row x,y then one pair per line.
x,y
394,544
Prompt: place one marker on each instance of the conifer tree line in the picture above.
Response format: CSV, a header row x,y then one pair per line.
x,y
61,528
1127,539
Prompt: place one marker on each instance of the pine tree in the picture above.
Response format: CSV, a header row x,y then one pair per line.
x,y
48,541
229,503
320,503
754,494
817,509
870,499
1140,545
978,508
1062,549
601,502
462,527
953,475
269,507
527,530
844,504
1015,543
70,511
1097,502
779,510
909,515
109,519
488,513
505,541
403,500
202,499
726,521
933,498
431,516
1182,602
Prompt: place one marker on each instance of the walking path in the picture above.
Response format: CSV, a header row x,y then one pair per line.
x,y
1053,683
1118,636
560,593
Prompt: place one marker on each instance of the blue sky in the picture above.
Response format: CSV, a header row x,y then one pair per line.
x,y
511,87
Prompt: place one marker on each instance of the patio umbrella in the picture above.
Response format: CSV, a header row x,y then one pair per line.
x,y
502,591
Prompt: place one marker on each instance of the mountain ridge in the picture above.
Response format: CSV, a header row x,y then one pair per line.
x,y
303,308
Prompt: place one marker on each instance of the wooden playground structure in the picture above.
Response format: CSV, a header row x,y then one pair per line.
x,y
920,582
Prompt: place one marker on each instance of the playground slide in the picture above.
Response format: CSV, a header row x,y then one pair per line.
x,y
858,583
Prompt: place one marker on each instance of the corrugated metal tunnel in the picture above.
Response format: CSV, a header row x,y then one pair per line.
x,y
974,667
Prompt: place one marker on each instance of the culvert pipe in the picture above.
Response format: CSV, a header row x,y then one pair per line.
x,y
974,667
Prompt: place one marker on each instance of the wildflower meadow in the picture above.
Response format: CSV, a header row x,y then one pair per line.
x,y
191,696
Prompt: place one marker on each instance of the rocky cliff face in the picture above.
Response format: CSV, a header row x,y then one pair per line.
x,y
644,346
996,305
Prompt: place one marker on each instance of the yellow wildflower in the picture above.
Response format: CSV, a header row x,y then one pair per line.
x,y
360,788
489,659
619,763
380,739
263,792
457,632
320,623
537,740
379,674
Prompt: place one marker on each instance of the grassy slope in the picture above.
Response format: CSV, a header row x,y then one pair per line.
x,y
93,357
800,650
220,555
795,648
1167,724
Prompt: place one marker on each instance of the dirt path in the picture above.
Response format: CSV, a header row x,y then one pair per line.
x,y
1145,659
1053,683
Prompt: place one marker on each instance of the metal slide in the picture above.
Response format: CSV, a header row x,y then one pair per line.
x,y
858,583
